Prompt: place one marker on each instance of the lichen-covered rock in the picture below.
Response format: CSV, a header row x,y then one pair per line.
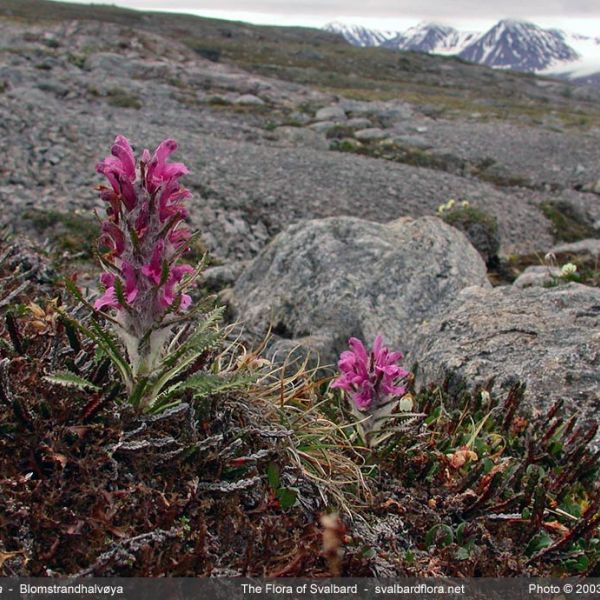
x,y
588,248
331,113
322,281
249,100
370,134
302,136
548,339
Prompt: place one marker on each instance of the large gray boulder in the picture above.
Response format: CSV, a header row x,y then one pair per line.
x,y
548,339
321,281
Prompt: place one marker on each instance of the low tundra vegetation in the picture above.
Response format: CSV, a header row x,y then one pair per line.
x,y
138,436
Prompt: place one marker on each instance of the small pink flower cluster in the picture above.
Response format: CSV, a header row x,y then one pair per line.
x,y
144,235
370,378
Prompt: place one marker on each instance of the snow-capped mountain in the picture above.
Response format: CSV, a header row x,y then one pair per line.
x,y
520,46
510,44
586,68
360,36
432,38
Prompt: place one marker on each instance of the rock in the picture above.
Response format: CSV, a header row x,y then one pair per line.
x,y
299,118
302,136
373,133
585,248
413,141
548,339
536,275
322,126
331,113
593,186
222,276
109,63
309,54
321,281
359,123
249,100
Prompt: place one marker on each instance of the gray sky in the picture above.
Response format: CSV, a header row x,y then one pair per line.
x,y
582,16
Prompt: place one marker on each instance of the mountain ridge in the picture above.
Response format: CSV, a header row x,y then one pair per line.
x,y
509,44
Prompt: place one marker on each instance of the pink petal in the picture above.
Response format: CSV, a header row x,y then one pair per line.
x,y
359,349
123,151
131,289
153,270
109,298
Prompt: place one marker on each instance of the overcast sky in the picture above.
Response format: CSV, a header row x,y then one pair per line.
x,y
582,16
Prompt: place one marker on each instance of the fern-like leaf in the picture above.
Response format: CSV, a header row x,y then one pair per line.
x,y
68,379
202,385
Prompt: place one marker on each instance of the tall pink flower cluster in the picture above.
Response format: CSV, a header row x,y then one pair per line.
x,y
144,236
370,379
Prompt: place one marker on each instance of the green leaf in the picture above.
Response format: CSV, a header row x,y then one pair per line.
x,y
462,553
108,345
460,533
205,384
138,392
68,379
119,292
538,542
287,497
578,564
432,537
273,476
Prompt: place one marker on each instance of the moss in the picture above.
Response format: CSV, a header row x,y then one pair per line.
x,y
77,59
68,231
568,224
338,132
468,215
480,227
347,145
389,150
123,99
212,54
218,101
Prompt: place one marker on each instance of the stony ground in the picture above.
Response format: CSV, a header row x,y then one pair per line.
x,y
258,148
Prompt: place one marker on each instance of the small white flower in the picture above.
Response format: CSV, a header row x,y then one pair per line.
x,y
568,269
450,204
465,204
485,396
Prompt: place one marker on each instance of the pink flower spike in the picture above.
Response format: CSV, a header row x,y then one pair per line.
x,y
369,379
